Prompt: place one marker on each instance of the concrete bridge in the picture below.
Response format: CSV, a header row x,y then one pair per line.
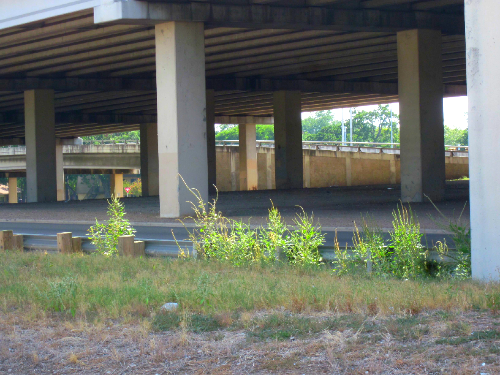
x,y
325,164
72,68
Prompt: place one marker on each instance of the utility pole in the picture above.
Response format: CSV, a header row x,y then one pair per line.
x,y
343,128
350,126
392,139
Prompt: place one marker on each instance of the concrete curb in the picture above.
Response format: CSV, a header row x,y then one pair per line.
x,y
192,225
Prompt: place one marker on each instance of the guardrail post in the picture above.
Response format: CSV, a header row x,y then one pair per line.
x,y
6,240
64,242
139,249
76,243
126,246
18,242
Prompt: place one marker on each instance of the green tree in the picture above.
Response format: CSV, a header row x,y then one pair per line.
x,y
131,136
456,137
231,133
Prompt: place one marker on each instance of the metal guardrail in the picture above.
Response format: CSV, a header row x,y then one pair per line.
x,y
170,249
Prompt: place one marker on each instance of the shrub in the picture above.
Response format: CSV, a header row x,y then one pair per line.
x,y
105,236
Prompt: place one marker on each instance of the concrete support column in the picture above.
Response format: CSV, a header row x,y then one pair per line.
x,y
288,140
421,115
39,118
182,138
149,160
483,89
116,181
211,153
12,189
61,192
248,157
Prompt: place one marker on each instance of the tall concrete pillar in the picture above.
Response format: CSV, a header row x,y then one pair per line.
x,y
12,189
116,182
421,115
211,153
39,119
182,138
248,157
61,192
149,160
483,90
288,140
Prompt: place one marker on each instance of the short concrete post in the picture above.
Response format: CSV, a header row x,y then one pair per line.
x,y
76,243
18,242
64,242
126,246
139,249
6,240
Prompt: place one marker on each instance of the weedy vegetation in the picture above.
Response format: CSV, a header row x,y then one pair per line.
x,y
105,236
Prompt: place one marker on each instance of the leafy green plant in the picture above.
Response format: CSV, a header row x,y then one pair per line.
x,y
105,236
302,244
409,256
219,238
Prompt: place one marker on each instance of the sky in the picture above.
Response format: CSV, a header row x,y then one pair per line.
x,y
455,111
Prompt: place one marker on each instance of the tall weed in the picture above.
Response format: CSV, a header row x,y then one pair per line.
x,y
105,236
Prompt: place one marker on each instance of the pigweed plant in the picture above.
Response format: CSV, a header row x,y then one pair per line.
x,y
105,236
219,238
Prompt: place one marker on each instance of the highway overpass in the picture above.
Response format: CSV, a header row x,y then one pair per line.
x,y
71,68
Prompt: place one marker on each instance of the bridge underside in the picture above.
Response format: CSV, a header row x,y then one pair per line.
x,y
174,68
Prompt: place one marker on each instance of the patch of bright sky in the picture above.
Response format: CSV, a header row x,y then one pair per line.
x,y
455,111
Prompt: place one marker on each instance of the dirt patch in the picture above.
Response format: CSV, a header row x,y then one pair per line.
x,y
428,343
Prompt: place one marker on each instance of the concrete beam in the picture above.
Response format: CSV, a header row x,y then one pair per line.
x,y
12,189
41,175
182,142
421,115
211,153
288,140
149,160
275,17
483,80
216,84
244,120
248,157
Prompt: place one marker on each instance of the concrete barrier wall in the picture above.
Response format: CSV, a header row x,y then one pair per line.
x,y
323,168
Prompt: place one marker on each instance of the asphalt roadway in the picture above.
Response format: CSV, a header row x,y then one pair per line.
x,y
166,232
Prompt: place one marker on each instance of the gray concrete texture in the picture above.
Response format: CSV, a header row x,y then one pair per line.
x,y
332,207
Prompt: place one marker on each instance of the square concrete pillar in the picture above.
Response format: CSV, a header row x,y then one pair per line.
x,y
182,128
211,153
421,115
39,118
116,181
61,191
13,190
483,89
248,157
288,140
149,160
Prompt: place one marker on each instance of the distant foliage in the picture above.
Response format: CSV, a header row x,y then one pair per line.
x,y
131,136
135,187
456,137
231,133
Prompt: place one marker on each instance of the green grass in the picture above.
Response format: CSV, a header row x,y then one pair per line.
x,y
97,287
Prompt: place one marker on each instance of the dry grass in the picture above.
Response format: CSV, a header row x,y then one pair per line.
x,y
93,315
